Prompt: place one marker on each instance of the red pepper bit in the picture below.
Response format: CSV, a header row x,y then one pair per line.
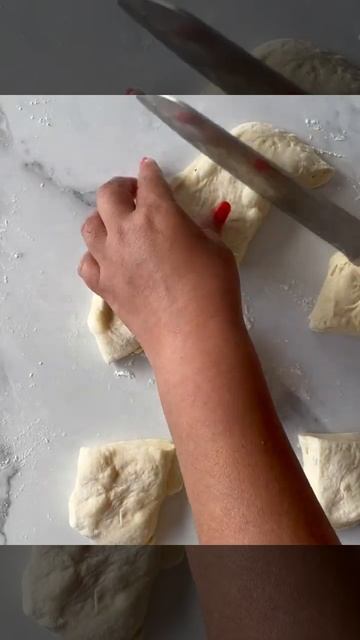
x,y
221,213
261,165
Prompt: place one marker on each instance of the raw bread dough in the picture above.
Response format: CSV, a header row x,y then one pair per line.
x,y
113,338
92,593
120,488
203,184
313,70
338,306
332,466
198,189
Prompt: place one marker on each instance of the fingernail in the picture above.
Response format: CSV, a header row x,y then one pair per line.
x,y
261,165
221,213
133,92
145,160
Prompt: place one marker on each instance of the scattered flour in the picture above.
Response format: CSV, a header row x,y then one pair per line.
x,y
313,124
8,469
339,137
294,289
23,449
45,120
248,317
331,154
293,378
326,134
124,373
356,187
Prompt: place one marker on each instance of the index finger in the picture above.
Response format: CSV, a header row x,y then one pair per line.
x,y
152,185
115,200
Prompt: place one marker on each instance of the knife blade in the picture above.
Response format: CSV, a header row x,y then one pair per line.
x,y
218,59
327,220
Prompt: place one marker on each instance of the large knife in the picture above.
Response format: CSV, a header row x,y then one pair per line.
x,y
324,218
221,61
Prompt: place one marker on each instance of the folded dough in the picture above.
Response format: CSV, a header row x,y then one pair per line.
x,y
315,71
338,306
203,184
92,593
120,488
114,339
332,466
198,189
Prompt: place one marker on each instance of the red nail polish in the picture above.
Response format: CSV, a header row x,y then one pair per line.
x,y
144,159
261,165
221,213
133,92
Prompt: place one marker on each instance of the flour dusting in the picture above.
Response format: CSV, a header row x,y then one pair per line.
x,y
313,124
124,373
248,316
326,134
8,469
331,154
294,289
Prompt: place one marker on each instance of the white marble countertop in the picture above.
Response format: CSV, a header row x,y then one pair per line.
x,y
56,392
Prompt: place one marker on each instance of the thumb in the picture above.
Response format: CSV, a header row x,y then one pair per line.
x,y
151,183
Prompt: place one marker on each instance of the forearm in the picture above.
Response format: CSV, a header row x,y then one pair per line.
x,y
244,482
272,592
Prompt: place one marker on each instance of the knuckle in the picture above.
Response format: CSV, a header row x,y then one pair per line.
x,y
153,208
83,268
89,272
87,227
106,190
144,224
104,288
92,228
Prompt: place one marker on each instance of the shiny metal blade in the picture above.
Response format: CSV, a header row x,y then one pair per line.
x,y
330,222
221,61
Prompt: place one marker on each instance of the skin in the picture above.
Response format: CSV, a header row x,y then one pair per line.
x,y
278,593
244,482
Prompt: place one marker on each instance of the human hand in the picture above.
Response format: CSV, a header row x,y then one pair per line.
x,y
159,272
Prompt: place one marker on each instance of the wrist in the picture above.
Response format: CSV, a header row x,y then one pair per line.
x,y
195,345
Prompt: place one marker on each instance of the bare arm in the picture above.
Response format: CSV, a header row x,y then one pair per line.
x,y
277,593
179,292
244,482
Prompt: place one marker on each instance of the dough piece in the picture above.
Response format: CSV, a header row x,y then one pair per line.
x,y
198,189
120,488
332,466
313,70
203,184
114,339
91,593
338,306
